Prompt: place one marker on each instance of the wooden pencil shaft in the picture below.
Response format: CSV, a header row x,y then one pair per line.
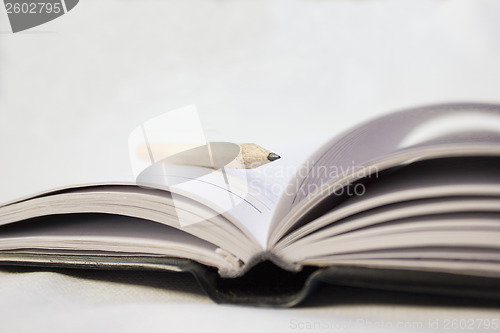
x,y
213,155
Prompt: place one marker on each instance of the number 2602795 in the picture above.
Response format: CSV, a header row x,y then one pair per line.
x,y
33,8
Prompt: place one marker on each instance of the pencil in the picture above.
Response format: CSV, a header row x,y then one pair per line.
x,y
214,155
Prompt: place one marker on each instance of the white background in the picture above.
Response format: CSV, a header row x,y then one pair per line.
x,y
271,72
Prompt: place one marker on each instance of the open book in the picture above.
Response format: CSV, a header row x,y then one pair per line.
x,y
407,201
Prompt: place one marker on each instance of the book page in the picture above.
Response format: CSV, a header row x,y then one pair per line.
x,y
104,233
395,139
397,190
104,154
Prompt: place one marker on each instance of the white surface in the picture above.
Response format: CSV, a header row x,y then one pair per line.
x,y
106,302
259,71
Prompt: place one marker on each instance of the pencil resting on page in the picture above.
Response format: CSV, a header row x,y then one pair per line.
x,y
214,155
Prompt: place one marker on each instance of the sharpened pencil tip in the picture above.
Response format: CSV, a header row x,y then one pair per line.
x,y
273,157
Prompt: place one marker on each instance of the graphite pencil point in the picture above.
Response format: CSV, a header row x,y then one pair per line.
x,y
273,157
